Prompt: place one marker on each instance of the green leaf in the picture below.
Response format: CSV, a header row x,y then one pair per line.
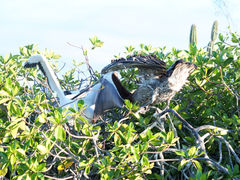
x,y
220,37
128,104
192,151
4,93
41,118
57,116
236,169
149,133
3,100
6,58
176,107
117,139
37,176
60,133
182,164
93,40
180,153
85,52
170,136
234,38
198,165
21,151
14,131
122,137
144,161
237,75
96,42
3,170
42,149
56,56
80,104
136,153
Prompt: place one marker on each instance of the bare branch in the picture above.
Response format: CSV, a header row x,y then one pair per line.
x,y
50,177
218,166
212,127
231,149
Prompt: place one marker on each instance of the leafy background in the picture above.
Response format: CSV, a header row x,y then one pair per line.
x,y
197,137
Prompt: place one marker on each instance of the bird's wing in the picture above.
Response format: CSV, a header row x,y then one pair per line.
x,y
137,61
108,98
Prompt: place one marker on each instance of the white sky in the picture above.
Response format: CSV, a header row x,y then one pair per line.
x,y
119,23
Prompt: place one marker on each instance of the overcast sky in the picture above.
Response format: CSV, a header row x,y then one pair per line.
x,y
119,23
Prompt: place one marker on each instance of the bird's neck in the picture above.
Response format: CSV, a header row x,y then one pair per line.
x,y
52,80
178,79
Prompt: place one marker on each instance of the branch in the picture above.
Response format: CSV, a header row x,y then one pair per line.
x,y
218,166
91,72
95,137
212,127
190,128
50,177
231,149
164,160
200,142
228,88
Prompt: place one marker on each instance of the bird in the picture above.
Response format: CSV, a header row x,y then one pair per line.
x,y
156,83
103,95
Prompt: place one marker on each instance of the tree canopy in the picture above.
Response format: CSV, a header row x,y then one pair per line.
x,y
197,137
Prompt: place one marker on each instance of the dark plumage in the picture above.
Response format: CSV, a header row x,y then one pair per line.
x,y
149,66
156,83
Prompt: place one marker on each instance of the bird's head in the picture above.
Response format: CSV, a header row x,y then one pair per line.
x,y
179,72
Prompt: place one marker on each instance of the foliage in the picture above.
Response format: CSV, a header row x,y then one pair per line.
x,y
200,142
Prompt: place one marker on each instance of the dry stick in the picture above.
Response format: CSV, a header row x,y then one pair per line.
x,y
50,90
159,163
208,93
86,60
184,174
120,177
212,127
190,128
50,177
199,141
230,158
230,147
174,130
224,83
220,151
230,90
67,151
209,139
53,161
205,136
95,137
164,160
214,163
89,67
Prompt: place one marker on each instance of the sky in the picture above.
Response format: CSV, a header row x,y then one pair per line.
x,y
118,23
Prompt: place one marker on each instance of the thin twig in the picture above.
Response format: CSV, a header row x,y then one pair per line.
x,y
228,88
50,177
220,151
218,166
230,147
212,127
164,160
95,137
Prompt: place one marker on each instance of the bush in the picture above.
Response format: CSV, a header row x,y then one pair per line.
x,y
201,141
